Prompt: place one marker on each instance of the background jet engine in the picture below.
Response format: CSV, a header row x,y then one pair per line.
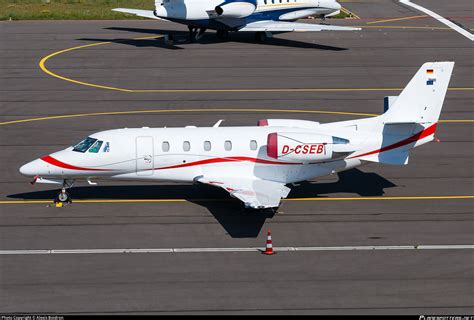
x,y
305,147
236,8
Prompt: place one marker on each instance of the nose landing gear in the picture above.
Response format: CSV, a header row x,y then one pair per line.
x,y
63,196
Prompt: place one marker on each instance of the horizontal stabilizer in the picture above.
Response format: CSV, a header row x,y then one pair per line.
x,y
141,13
394,157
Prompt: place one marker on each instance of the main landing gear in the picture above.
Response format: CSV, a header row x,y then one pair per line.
x,y
262,36
195,33
63,196
222,34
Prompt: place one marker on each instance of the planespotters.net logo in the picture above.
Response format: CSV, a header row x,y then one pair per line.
x,y
446,318
32,317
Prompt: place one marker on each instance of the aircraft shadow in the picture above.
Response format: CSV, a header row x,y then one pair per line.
x,y
182,38
352,181
229,212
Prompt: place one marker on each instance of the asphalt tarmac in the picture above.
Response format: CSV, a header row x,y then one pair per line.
x,y
327,76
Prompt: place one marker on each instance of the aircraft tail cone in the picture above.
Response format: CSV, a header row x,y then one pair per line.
x,y
269,247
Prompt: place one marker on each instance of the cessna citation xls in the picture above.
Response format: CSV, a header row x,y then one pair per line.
x,y
260,16
254,164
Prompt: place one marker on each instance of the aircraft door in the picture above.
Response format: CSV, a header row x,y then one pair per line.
x,y
145,156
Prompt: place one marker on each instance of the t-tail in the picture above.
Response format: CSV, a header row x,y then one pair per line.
x,y
410,119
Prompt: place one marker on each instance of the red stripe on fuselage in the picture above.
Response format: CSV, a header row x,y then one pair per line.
x,y
228,159
57,163
420,135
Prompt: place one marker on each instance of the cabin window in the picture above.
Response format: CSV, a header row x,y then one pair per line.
x,y
84,145
280,1
207,145
106,147
186,146
228,145
96,146
273,1
165,146
253,145
265,1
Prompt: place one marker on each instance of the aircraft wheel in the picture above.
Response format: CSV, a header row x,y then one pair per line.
x,y
192,33
63,196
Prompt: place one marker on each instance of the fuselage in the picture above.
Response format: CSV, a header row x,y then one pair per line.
x,y
182,154
231,14
305,150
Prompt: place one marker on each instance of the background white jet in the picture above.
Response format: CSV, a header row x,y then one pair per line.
x,y
260,16
254,164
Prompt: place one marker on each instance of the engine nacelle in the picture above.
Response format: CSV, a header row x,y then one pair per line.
x,y
236,8
304,147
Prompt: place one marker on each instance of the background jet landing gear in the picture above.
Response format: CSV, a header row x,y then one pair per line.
x,y
323,19
262,36
195,33
192,32
222,34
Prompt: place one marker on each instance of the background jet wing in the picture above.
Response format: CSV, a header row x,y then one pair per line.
x,y
282,26
137,12
254,193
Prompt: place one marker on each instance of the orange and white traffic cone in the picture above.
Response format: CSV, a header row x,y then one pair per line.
x,y
269,247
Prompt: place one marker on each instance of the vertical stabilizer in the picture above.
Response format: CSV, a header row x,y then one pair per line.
x,y
422,99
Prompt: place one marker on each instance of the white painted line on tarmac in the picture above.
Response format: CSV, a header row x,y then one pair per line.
x,y
445,21
247,249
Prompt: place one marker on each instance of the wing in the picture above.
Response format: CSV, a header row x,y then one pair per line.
x,y
137,12
254,193
282,26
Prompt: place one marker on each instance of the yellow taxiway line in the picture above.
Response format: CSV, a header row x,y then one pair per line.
x,y
290,199
406,27
184,111
113,113
42,65
352,14
383,198
46,70
397,19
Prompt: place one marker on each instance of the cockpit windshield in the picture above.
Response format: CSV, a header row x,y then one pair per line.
x,y
84,145
96,147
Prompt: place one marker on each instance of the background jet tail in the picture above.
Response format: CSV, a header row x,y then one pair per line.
x,y
422,99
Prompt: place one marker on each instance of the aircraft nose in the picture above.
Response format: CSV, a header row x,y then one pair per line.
x,y
336,6
32,168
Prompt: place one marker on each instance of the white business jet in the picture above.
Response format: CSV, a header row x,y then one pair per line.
x,y
260,16
254,164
